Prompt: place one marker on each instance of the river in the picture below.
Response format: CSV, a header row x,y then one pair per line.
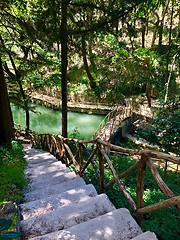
x,y
46,120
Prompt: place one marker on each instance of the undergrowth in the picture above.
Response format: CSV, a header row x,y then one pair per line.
x,y
12,178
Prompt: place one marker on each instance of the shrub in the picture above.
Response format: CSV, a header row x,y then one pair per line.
x,y
12,178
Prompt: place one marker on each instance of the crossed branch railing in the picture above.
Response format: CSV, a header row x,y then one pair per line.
x,y
62,148
112,120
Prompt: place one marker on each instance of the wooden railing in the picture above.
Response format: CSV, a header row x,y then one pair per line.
x,y
112,121
73,151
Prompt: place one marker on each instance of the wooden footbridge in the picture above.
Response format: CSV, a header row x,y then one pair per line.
x,y
113,119
74,151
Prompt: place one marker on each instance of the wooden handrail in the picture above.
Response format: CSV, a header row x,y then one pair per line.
x,y
152,154
140,187
160,205
125,173
160,182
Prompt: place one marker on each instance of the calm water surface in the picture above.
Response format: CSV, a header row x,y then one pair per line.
x,y
46,120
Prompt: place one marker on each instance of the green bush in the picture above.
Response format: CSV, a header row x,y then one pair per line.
x,y
12,178
165,131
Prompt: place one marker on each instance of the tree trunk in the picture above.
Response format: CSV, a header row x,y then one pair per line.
x,y
155,30
64,66
91,56
169,48
18,78
160,31
148,91
6,122
90,77
143,32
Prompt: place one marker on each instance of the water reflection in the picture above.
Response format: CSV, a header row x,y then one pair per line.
x,y
46,120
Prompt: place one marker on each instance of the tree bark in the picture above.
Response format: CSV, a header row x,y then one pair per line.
x,y
6,122
64,66
90,77
18,78
143,31
169,47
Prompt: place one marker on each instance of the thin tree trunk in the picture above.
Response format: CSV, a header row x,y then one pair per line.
x,y
148,91
64,66
169,47
90,77
91,57
168,82
143,32
160,30
155,30
6,122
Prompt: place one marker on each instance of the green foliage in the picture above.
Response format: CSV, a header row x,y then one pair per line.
x,y
4,234
12,178
165,131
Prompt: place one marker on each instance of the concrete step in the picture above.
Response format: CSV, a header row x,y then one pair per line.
x,y
41,161
49,174
66,217
57,172
54,189
42,206
42,169
115,225
146,236
39,183
35,153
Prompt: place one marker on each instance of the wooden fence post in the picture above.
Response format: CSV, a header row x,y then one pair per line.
x,y
101,168
80,158
140,187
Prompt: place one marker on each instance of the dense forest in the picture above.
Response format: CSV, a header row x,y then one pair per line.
x,y
98,52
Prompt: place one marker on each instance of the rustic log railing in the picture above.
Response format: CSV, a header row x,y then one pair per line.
x,y
111,122
73,151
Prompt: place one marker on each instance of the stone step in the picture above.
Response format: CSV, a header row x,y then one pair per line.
x,y
54,189
66,217
42,206
115,225
37,171
48,174
39,183
35,153
146,236
41,161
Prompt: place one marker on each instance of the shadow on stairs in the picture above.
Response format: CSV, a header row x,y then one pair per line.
x,y
59,205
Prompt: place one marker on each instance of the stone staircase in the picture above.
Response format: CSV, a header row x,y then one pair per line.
x,y
59,205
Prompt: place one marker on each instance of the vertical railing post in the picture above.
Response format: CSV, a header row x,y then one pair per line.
x,y
101,168
165,168
80,158
50,144
140,187
59,147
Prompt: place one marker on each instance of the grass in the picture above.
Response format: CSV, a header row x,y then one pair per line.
x,y
12,178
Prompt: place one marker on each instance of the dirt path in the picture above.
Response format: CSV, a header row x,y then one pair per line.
x,y
55,103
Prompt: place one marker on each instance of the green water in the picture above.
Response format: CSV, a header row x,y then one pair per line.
x,y
46,120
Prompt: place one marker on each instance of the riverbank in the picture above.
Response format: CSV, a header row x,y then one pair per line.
x,y
55,103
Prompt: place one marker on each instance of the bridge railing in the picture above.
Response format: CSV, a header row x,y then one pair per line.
x,y
111,117
73,151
